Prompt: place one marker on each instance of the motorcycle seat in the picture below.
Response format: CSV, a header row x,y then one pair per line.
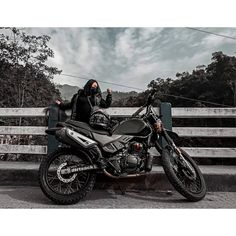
x,y
81,125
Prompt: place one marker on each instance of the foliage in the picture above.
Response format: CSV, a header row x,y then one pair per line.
x,y
25,77
215,83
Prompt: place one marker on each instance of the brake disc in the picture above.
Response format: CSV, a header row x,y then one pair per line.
x,y
66,178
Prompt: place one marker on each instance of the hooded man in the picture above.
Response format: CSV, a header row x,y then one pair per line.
x,y
84,100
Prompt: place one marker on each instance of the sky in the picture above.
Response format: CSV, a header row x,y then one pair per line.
x,y
131,56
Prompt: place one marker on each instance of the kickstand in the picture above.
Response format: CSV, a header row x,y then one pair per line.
x,y
123,190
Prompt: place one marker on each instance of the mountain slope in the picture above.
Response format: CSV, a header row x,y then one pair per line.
x,y
67,92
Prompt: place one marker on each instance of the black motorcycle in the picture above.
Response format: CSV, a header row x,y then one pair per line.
x,y
69,173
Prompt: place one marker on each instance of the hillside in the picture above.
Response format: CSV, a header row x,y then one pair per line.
x,y
68,90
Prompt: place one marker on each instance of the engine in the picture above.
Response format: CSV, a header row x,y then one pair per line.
x,y
129,160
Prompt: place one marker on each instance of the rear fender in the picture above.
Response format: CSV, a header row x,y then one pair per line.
x,y
52,131
73,138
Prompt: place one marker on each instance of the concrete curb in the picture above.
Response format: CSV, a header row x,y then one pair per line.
x,y
218,178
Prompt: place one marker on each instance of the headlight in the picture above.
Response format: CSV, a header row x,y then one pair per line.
x,y
158,126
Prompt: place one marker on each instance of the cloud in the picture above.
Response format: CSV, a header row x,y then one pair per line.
x,y
57,59
131,56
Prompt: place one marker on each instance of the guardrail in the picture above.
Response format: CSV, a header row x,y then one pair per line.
x,y
165,110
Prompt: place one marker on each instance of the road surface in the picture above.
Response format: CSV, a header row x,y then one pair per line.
x,y
32,197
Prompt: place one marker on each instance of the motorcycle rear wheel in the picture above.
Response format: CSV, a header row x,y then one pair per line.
x,y
70,188
194,189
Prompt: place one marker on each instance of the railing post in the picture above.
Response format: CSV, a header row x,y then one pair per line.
x,y
166,117
52,121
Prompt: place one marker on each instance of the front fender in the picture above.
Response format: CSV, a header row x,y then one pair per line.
x,y
172,134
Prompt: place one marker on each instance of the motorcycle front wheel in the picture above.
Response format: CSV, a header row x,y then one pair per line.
x,y
65,188
186,179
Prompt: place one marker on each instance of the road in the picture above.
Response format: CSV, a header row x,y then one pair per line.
x,y
32,197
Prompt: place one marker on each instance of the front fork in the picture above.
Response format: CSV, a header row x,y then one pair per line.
x,y
181,160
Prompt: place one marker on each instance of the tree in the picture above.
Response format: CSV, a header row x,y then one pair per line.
x,y
23,68
25,77
223,72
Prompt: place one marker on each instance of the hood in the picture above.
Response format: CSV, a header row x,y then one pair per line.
x,y
88,85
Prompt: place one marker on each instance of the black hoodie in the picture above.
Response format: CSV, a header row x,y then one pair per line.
x,y
79,103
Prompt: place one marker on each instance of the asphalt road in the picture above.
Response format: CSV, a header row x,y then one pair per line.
x,y
32,197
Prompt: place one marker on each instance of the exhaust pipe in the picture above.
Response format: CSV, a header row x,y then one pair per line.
x,y
124,176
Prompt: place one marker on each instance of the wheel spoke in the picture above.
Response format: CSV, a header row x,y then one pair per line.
x,y
76,184
69,185
52,178
55,186
69,189
83,174
192,185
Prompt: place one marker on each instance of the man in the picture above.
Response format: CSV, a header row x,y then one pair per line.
x,y
83,102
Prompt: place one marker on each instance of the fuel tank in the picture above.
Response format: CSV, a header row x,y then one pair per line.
x,y
135,127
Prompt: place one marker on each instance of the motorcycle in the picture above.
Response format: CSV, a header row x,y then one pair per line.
x,y
69,173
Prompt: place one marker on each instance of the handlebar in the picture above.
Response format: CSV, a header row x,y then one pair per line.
x,y
149,102
138,111
151,97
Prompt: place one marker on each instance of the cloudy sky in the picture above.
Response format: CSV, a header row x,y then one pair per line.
x,y
131,56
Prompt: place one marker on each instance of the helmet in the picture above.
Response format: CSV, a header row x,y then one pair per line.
x,y
99,119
